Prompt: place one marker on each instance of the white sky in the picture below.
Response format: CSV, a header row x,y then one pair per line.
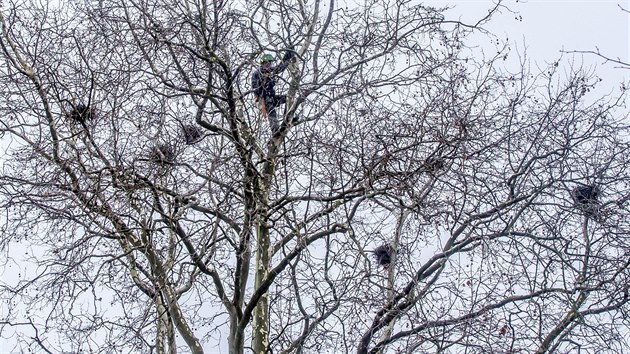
x,y
549,26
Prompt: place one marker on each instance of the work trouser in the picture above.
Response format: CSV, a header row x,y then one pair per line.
x,y
269,105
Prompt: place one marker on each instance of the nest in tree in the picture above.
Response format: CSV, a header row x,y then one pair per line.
x,y
586,199
383,254
433,164
163,154
585,195
81,113
192,134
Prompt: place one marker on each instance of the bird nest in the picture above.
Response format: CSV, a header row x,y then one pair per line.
x,y
163,154
192,134
433,164
81,113
585,195
586,199
383,254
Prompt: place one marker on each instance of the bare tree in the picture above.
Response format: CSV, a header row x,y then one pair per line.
x,y
159,213
608,59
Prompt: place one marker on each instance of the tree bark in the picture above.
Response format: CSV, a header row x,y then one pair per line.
x,y
260,335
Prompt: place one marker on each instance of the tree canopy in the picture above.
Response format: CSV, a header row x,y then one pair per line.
x,y
426,199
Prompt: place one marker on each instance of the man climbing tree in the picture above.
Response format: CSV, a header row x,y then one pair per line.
x,y
263,84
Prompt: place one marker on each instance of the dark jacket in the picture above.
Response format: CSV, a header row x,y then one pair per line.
x,y
264,80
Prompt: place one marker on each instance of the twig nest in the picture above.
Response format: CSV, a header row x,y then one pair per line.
x,y
192,134
586,200
433,164
81,113
585,195
383,254
163,154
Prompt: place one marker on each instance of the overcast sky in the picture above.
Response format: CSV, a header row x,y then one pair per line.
x,y
545,27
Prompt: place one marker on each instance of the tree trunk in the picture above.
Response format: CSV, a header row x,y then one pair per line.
x,y
260,335
165,341
236,340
